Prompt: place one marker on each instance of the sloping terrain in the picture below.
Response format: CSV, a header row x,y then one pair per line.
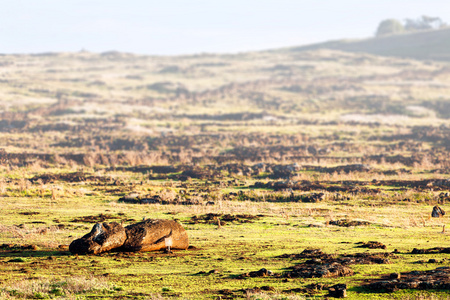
x,y
433,44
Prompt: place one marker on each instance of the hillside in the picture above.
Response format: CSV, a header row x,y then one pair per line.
x,y
434,44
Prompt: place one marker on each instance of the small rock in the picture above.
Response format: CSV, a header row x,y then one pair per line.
x,y
338,291
395,276
437,212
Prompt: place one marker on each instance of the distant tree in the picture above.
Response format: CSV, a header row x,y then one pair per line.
x,y
390,26
424,23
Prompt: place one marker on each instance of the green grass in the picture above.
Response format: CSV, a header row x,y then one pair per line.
x,y
232,250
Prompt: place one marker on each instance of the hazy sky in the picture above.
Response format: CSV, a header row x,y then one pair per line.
x,y
194,26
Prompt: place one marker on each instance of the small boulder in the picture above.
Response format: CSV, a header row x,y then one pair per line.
x,y
103,237
338,291
152,235
130,198
437,212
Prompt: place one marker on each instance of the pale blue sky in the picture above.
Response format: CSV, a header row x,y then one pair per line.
x,y
194,26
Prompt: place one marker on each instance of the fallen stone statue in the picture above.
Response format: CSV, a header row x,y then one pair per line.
x,y
149,235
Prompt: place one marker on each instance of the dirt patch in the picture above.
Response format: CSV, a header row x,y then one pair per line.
x,y
238,294
340,169
320,264
317,256
371,245
315,269
348,223
16,247
366,258
431,250
29,213
260,273
198,173
95,219
308,253
156,199
310,289
68,177
212,218
438,278
313,198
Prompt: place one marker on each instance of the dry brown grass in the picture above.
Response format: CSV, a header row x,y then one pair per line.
x,y
67,288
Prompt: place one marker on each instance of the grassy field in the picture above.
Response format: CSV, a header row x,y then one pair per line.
x,y
288,151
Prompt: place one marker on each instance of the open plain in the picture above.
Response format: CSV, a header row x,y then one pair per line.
x,y
293,172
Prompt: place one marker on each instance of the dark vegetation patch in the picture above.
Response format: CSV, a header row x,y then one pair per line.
x,y
29,213
67,177
327,266
319,270
322,265
244,116
437,279
348,223
371,245
341,169
95,219
316,256
212,218
431,250
310,289
16,247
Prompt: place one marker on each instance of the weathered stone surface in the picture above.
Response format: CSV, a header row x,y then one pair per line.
x,y
103,237
150,235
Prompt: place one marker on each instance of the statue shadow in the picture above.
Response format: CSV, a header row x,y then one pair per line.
x,y
17,254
